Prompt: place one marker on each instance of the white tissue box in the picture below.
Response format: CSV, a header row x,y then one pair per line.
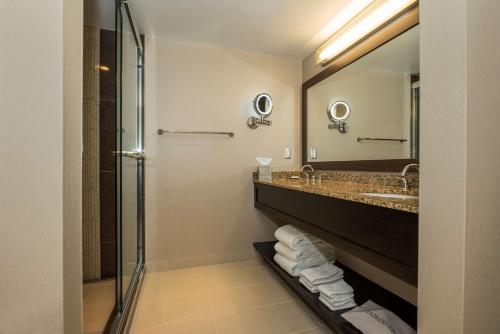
x,y
265,173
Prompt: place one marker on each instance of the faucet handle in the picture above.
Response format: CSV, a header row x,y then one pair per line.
x,y
404,182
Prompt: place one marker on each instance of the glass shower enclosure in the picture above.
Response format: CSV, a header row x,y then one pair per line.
x,y
130,167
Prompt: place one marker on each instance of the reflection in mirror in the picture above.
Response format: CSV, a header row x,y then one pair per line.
x,y
338,111
383,89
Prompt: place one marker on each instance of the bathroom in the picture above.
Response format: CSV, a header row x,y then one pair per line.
x,y
179,151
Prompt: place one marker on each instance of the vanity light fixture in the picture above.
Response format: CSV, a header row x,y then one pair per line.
x,y
364,24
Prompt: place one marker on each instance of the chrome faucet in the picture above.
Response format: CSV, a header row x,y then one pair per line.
x,y
404,180
307,175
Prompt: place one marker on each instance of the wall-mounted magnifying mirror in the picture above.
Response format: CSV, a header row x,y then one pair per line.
x,y
263,105
338,112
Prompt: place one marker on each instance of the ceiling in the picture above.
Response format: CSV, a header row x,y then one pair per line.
x,y
290,28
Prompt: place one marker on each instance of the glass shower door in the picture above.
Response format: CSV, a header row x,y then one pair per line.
x,y
130,159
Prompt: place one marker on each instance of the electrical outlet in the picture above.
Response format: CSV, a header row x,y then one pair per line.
x,y
313,154
288,153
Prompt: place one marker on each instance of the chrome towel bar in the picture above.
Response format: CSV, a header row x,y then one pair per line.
x,y
360,139
162,131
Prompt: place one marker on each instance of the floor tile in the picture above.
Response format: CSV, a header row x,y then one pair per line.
x,y
202,326
95,316
288,317
245,322
148,314
185,308
96,294
270,293
229,301
152,289
237,277
320,330
232,298
185,282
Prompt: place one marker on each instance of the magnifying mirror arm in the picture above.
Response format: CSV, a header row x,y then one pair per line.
x,y
341,126
254,122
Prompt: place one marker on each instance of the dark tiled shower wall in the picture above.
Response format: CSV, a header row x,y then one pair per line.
x,y
107,128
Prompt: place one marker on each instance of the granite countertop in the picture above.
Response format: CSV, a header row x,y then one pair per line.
x,y
350,186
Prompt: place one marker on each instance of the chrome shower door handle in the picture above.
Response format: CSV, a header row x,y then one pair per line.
x,y
138,155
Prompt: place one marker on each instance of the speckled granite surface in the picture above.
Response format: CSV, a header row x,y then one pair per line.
x,y
350,186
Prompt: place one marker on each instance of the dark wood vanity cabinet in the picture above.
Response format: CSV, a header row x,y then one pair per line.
x,y
386,238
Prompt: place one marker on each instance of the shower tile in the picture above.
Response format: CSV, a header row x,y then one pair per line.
x,y
108,206
107,135
108,58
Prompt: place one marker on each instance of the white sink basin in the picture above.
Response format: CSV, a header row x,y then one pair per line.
x,y
397,196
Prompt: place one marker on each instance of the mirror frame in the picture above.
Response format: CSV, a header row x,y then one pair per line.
x,y
399,25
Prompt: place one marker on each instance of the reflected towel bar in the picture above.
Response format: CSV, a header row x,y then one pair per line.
x,y
360,139
162,131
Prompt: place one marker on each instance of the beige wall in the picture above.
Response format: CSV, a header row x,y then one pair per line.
x,y
199,191
33,220
381,107
31,197
443,158
72,150
459,273
482,266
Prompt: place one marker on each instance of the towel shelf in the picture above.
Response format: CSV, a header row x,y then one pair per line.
x,y
364,290
186,132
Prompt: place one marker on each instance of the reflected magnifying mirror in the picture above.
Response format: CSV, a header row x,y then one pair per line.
x,y
338,112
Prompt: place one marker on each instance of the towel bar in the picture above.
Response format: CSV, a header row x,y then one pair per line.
x,y
360,139
162,131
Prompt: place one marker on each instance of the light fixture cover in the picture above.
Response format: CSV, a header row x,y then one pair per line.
x,y
371,18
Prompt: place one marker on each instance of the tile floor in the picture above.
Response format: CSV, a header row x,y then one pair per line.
x,y
234,298
98,303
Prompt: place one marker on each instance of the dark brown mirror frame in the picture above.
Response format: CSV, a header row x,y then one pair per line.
x,y
399,25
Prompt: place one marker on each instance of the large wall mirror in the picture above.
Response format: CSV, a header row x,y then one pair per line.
x,y
365,116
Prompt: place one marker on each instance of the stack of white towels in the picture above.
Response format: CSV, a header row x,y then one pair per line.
x,y
301,254
297,250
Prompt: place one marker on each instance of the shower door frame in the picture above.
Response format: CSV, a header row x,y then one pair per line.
x,y
120,320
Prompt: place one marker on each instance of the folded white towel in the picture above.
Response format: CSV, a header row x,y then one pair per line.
x,y
326,273
338,287
338,299
311,287
308,259
339,306
317,247
292,267
291,236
